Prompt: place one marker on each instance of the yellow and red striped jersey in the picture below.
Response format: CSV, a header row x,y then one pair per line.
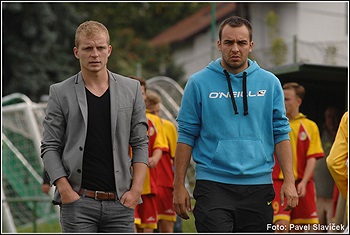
x,y
306,143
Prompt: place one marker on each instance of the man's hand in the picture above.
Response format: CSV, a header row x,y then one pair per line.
x,y
130,199
182,201
66,191
289,191
45,188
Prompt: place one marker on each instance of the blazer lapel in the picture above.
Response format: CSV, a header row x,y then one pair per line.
x,y
114,102
81,96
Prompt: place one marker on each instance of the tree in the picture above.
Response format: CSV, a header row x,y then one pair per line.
x,y
131,25
38,40
279,48
37,46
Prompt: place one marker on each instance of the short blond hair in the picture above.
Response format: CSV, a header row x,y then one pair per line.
x,y
89,29
152,99
299,89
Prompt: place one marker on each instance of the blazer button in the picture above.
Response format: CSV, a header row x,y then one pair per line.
x,y
79,171
81,148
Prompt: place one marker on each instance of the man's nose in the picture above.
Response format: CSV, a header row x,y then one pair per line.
x,y
94,52
235,47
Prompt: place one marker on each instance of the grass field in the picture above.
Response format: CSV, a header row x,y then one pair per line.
x,y
188,225
54,227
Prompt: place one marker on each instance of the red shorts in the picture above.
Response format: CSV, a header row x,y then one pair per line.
x,y
165,204
304,213
146,212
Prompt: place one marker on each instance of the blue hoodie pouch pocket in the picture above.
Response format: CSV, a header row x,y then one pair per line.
x,y
240,157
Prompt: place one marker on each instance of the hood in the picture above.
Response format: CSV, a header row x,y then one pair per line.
x,y
216,66
253,66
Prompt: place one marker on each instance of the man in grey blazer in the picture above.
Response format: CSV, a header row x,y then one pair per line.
x,y
95,143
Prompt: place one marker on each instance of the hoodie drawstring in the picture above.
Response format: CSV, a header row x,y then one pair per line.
x,y
231,92
245,98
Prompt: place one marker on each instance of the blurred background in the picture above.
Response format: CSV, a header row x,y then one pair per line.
x,y
163,42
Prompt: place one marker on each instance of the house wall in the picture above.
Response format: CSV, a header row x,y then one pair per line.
x,y
316,26
323,21
320,27
196,54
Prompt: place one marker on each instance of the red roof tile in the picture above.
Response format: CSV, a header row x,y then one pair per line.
x,y
193,24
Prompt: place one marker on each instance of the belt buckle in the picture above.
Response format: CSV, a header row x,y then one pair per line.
x,y
96,194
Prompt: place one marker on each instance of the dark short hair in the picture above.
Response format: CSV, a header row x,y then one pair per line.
x,y
236,21
141,80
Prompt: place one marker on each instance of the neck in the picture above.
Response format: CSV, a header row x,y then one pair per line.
x,y
96,82
292,115
99,78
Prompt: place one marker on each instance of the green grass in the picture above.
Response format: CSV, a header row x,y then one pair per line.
x,y
53,226
188,225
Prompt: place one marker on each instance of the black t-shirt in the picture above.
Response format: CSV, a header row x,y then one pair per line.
x,y
98,170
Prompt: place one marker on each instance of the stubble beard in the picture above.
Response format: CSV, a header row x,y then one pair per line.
x,y
234,66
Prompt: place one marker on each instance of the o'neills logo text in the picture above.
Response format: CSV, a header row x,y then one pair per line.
x,y
219,95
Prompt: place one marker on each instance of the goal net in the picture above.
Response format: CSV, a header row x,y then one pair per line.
x,y
22,168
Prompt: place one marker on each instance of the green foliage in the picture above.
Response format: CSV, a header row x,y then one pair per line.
x,y
272,23
132,50
37,46
146,18
131,26
331,55
38,40
279,48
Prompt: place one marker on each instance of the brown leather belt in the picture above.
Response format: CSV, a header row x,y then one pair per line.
x,y
97,195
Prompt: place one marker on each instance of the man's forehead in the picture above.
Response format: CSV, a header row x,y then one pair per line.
x,y
93,41
241,30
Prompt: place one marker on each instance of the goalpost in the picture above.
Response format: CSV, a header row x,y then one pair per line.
x,y
22,168
171,94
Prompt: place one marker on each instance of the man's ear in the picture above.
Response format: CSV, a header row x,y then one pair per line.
x,y
251,46
218,43
75,51
109,50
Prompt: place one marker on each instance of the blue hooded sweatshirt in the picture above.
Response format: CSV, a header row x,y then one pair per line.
x,y
233,139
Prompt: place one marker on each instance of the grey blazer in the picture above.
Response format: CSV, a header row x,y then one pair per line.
x,y
65,128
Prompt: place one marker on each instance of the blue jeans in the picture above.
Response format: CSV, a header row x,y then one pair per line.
x,y
87,215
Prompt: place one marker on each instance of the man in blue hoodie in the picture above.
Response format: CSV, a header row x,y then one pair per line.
x,y
232,120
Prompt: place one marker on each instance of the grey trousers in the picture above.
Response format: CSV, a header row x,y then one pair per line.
x,y
87,215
